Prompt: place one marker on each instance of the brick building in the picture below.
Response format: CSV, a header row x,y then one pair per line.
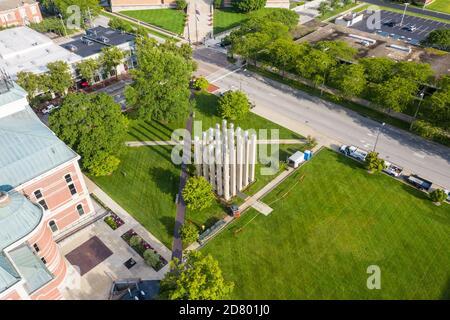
x,y
19,12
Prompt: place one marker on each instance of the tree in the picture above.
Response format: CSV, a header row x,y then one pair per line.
x,y
314,63
152,259
439,38
349,79
378,70
198,193
323,8
233,105
418,72
120,24
160,90
189,233
31,82
59,77
248,5
440,108
201,84
181,4
438,196
218,4
88,69
374,163
111,58
88,8
395,93
282,53
286,17
339,49
94,126
334,3
198,278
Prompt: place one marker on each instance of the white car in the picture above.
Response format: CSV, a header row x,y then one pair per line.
x,y
392,169
448,195
49,108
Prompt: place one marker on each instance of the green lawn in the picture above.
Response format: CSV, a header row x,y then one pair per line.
x,y
169,19
439,5
228,18
320,239
145,184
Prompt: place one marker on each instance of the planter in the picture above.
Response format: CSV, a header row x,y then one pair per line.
x,y
114,221
142,247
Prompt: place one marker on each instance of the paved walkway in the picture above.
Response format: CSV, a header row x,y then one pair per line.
x,y
172,142
200,24
128,218
177,246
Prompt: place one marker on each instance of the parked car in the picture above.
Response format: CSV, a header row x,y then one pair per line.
x,y
419,182
365,43
448,195
391,23
354,152
49,109
411,28
392,169
234,210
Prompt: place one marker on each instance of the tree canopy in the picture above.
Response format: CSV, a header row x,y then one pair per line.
x,y
31,82
373,162
160,90
94,126
198,193
189,233
248,5
439,38
198,278
233,105
111,58
59,77
349,79
88,8
88,69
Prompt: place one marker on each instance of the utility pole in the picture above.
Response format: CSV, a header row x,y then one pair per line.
x,y
90,17
378,136
404,12
417,110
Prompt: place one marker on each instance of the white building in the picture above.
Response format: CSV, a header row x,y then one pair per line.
x,y
349,19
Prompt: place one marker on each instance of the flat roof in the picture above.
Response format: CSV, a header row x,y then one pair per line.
x,y
95,46
31,53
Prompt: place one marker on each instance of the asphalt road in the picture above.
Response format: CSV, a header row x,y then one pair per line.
x,y
429,13
330,123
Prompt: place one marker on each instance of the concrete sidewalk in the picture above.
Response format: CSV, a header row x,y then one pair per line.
x,y
199,26
130,222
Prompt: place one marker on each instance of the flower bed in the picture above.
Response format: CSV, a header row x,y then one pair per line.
x,y
114,221
141,246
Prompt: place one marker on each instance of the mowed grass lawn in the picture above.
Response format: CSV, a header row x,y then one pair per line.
x,y
169,19
321,238
439,5
228,18
145,184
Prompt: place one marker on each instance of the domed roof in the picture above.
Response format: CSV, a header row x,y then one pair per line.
x,y
18,217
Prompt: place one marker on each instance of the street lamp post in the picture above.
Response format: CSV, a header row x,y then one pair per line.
x,y
417,110
378,136
404,12
62,22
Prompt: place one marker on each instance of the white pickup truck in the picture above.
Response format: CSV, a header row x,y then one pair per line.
x,y
354,152
392,169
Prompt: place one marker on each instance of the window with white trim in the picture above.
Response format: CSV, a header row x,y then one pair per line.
x,y
70,184
40,199
80,209
53,226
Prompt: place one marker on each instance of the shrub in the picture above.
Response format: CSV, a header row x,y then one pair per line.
x,y
248,5
427,130
218,4
234,105
201,84
438,196
181,4
152,259
110,221
198,193
189,233
373,162
103,165
135,241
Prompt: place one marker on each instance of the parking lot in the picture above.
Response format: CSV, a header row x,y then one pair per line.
x,y
423,26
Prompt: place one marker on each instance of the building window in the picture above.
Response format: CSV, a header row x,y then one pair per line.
x,y
36,247
43,260
96,78
53,226
40,199
68,178
80,209
72,189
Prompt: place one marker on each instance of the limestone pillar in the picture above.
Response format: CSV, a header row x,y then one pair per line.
x,y
253,150
246,159
239,159
198,155
226,174
232,151
205,162
212,169
219,166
